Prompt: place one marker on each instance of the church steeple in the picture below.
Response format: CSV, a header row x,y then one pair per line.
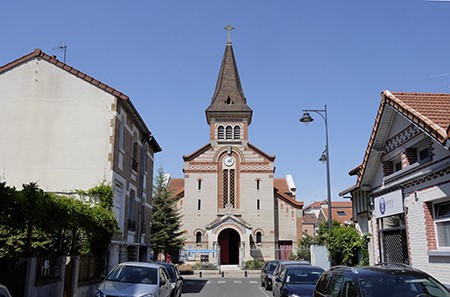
x,y
228,100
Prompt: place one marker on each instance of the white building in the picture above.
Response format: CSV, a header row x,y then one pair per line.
x,y
402,194
65,130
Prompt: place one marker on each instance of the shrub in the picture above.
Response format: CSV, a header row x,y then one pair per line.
x,y
253,265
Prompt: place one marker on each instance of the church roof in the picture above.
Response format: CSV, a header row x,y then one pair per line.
x,y
228,98
38,53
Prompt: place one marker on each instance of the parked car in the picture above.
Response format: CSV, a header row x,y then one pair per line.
x,y
4,291
296,280
266,272
136,279
280,266
176,280
378,281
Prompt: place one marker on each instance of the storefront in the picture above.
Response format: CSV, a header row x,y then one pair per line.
x,y
389,214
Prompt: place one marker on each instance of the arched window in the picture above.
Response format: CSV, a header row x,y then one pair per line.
x,y
229,132
237,132
258,237
220,132
198,237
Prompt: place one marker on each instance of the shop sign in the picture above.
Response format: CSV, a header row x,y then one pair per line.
x,y
388,204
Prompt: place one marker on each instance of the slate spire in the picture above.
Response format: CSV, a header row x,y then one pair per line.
x,y
228,98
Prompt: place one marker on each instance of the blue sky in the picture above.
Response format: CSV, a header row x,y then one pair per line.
x,y
291,55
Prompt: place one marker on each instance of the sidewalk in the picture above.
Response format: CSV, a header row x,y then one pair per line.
x,y
226,271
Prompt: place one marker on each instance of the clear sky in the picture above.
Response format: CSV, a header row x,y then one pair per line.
x,y
291,55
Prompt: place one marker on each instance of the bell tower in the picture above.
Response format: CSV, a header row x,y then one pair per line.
x,y
228,115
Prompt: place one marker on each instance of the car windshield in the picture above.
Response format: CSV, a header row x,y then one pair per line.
x,y
303,276
403,286
134,274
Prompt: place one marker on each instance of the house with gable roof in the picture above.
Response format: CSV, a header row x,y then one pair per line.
x,y
401,198
66,130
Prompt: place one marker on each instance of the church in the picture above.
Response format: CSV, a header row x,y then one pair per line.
x,y
233,208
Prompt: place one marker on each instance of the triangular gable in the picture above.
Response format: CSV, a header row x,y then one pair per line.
x,y
228,218
428,112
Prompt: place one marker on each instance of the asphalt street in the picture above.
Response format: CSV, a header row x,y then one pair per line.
x,y
224,287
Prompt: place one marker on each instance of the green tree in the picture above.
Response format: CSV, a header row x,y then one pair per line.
x,y
35,222
344,244
166,219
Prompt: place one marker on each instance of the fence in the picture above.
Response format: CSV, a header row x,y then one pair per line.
x,y
47,269
91,269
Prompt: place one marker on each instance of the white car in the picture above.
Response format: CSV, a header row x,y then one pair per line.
x,y
136,279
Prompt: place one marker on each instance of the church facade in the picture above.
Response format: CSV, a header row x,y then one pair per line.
x,y
233,208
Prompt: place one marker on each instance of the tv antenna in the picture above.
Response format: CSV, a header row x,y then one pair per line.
x,y
62,47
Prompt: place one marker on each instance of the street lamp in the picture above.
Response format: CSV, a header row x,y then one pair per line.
x,y
325,157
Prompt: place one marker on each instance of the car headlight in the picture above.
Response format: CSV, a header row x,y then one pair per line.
x,y
99,293
294,295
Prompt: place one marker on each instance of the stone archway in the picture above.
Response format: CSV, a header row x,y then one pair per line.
x,y
230,242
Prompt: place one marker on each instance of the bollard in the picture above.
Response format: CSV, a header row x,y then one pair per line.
x,y
200,274
222,273
245,273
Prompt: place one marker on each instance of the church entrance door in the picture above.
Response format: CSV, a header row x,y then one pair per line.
x,y
229,241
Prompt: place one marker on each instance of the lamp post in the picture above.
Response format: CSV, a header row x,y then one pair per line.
x,y
306,119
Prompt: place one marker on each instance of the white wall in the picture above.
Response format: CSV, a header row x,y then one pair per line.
x,y
55,128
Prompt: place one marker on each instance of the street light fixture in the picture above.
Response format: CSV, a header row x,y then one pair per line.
x,y
325,157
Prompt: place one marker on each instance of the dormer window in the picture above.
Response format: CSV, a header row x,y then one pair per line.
x,y
229,101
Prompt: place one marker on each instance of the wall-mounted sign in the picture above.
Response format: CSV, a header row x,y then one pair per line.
x,y
388,205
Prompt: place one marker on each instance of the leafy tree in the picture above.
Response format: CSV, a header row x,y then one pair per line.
x,y
35,222
166,219
344,244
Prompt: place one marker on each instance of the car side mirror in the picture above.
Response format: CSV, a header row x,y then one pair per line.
x,y
180,278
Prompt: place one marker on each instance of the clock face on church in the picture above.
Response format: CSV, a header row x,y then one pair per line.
x,y
228,161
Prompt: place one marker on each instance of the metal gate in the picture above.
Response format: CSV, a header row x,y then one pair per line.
x,y
394,246
14,280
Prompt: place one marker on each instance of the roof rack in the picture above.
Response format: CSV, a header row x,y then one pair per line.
x,y
347,268
395,264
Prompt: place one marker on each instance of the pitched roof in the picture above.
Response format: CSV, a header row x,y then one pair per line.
x,y
282,191
38,53
228,96
176,187
429,112
309,218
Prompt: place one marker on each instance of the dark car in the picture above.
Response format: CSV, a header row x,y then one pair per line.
x,y
296,280
176,280
4,291
378,281
266,272
280,266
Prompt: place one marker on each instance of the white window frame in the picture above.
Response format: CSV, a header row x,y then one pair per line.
x,y
437,220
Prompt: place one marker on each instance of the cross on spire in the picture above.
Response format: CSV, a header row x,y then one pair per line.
x,y
229,28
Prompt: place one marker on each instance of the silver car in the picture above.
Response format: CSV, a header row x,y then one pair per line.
x,y
136,279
